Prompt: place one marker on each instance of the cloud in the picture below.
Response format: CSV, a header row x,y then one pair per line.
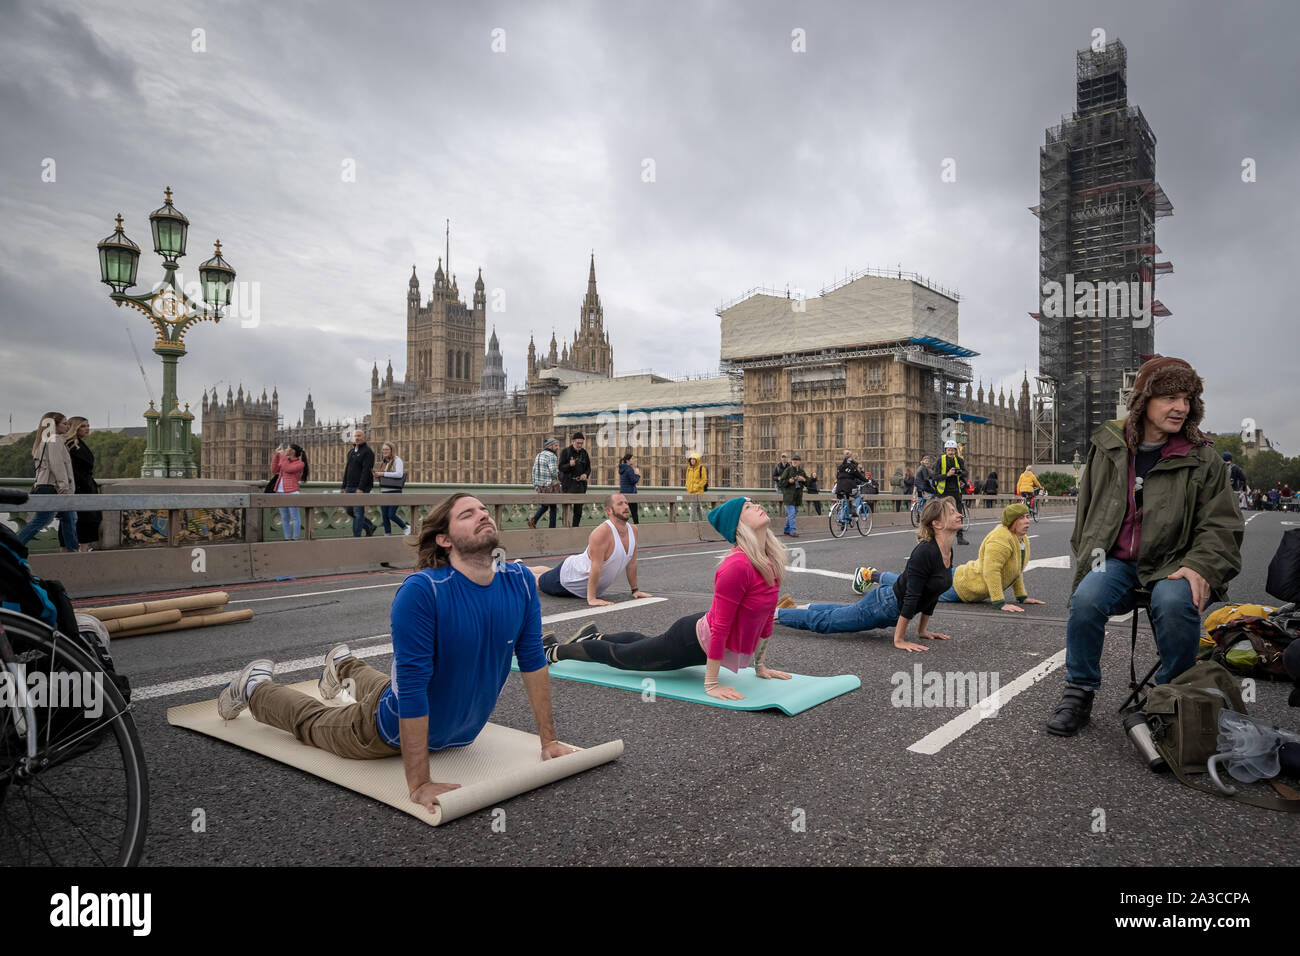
x,y
772,167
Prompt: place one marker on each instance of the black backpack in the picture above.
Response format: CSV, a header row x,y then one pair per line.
x,y
1284,570
48,602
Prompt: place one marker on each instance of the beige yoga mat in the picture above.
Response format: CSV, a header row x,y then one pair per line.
x,y
502,763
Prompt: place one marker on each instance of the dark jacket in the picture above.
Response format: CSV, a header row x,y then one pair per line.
x,y
991,484
359,472
791,490
776,473
627,479
924,578
1189,515
83,468
848,476
924,481
574,462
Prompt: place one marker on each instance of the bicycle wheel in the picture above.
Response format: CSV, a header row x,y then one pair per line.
x,y
916,513
1033,511
838,522
864,520
84,799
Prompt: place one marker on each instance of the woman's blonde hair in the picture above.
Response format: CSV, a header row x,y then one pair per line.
x,y
391,445
933,511
764,552
74,426
40,431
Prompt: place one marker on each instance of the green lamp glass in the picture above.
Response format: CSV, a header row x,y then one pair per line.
x,y
169,229
119,258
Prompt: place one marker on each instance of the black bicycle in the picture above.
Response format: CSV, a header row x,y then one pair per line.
x,y
854,510
74,790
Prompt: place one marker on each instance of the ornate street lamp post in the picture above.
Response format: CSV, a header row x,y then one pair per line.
x,y
172,312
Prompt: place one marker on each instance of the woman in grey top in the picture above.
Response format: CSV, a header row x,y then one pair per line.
x,y
53,476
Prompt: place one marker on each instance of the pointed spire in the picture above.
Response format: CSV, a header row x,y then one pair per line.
x,y
439,277
478,283
414,283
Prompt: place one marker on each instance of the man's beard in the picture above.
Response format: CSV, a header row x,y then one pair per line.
x,y
474,545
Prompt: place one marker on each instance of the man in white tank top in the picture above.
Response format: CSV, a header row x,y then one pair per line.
x,y
611,549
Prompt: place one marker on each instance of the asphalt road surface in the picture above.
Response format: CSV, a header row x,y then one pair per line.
x,y
700,785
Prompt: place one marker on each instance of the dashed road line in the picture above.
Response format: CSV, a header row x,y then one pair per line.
x,y
936,740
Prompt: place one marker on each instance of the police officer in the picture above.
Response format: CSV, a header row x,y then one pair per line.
x,y
951,476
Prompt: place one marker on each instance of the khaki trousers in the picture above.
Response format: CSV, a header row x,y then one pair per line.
x,y
351,731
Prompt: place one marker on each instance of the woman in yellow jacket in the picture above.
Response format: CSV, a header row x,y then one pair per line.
x,y
1004,552
1027,483
697,482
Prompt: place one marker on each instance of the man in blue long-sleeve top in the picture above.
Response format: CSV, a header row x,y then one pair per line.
x,y
457,622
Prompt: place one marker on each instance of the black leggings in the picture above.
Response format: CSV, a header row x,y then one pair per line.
x,y
672,650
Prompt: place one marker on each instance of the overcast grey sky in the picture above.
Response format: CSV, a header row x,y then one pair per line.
x,y
772,167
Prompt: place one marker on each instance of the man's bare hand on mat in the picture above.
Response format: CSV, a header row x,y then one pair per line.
x,y
556,749
426,794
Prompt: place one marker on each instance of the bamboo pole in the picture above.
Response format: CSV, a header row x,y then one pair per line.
x,y
120,625
188,603
208,620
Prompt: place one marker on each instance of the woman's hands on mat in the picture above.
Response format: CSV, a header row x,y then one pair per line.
x,y
556,749
722,692
426,794
767,673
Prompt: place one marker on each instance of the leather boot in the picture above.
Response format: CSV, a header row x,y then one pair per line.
x,y
1072,712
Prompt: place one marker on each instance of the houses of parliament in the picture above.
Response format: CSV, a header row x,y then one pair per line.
x,y
871,364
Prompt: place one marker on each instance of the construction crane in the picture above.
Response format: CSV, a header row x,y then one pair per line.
x,y
136,353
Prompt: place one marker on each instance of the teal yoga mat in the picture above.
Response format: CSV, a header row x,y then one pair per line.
x,y
791,697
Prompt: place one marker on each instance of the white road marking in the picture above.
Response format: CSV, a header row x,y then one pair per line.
x,y
375,650
936,740
285,597
1060,561
829,574
589,611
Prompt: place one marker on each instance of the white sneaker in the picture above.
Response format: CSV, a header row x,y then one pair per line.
x,y
330,684
234,696
407,530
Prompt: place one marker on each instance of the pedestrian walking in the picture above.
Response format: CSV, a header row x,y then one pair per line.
x,y
792,483
546,478
697,483
629,475
575,470
391,475
359,478
83,473
53,477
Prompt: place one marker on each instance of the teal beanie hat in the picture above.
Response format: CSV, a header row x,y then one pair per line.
x,y
726,516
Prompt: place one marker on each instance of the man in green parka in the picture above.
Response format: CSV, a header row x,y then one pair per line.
x,y
1155,511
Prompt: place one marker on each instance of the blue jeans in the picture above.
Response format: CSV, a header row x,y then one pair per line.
x,y
290,521
390,515
878,608
67,528
1109,590
950,595
537,515
790,512
358,515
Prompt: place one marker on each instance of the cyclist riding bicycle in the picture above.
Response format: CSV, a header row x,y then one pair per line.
x,y
1028,485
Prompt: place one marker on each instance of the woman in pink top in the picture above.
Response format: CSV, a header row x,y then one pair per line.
x,y
291,465
732,633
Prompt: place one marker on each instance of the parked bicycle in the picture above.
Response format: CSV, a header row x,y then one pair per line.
x,y
74,789
854,510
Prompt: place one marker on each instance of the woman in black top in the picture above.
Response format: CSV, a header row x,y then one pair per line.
x,y
83,474
898,597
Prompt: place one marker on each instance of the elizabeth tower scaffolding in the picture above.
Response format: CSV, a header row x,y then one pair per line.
x,y
1099,201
